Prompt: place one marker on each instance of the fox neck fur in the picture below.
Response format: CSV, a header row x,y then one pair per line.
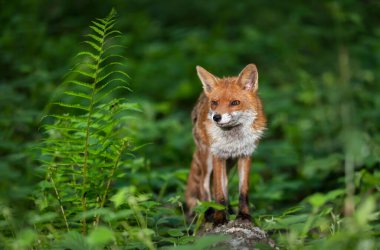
x,y
230,142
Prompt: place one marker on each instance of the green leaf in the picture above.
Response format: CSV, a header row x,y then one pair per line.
x,y
98,99
119,215
78,94
317,200
186,239
113,37
202,242
175,232
87,53
109,82
102,21
98,31
108,65
80,83
84,73
96,47
130,106
91,213
73,241
100,236
113,32
74,106
109,27
365,212
112,56
42,218
82,65
113,46
25,239
112,73
55,127
120,197
96,38
202,207
99,25
69,117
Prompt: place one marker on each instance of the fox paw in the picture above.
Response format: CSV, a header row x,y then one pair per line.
x,y
230,210
220,218
209,215
243,216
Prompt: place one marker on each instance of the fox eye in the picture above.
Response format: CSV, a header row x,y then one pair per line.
x,y
214,103
235,103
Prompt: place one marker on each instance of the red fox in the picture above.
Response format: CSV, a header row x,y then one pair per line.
x,y
228,122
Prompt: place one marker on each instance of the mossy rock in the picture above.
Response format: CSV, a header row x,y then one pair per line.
x,y
243,236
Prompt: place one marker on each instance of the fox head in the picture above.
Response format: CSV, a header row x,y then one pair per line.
x,y
233,101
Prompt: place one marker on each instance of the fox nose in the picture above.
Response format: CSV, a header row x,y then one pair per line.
x,y
217,117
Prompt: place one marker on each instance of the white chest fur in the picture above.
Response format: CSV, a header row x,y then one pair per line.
x,y
236,142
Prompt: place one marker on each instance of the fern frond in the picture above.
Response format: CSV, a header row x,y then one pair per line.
x,y
83,146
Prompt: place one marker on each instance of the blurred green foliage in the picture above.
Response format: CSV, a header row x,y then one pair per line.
x,y
319,68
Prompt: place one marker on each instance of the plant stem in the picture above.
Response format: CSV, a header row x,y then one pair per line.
x,y
60,202
345,112
85,165
184,219
198,223
104,197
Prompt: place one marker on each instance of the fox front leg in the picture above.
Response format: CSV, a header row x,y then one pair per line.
x,y
220,185
244,165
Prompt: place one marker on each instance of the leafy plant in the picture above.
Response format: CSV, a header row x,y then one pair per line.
x,y
88,138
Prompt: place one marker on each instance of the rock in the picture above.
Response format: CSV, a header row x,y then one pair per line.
x,y
243,235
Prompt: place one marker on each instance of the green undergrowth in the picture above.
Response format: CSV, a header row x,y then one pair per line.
x,y
92,187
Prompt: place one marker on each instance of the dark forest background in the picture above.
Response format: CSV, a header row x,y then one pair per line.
x,y
319,72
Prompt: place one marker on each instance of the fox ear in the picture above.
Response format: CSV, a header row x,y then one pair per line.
x,y
208,80
248,78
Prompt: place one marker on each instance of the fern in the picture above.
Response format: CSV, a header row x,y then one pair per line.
x,y
88,138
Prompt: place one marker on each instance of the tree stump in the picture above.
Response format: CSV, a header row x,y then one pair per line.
x,y
243,236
